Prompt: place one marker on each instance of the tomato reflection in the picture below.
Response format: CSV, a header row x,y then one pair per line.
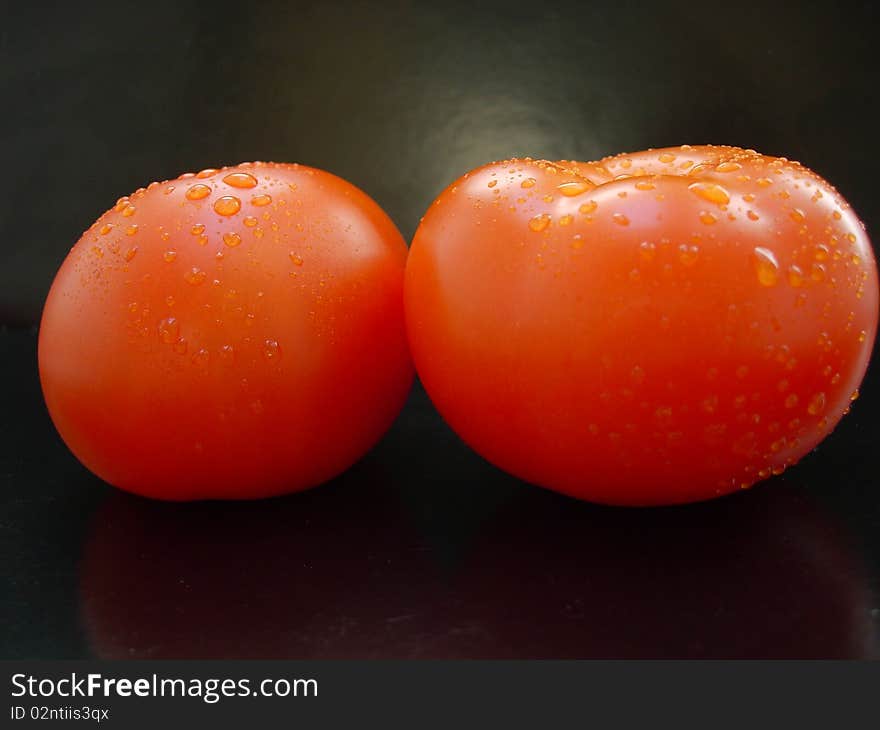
x,y
343,573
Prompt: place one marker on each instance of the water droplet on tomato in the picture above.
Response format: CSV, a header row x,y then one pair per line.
x,y
571,189
271,350
194,276
201,357
795,276
588,207
169,330
227,205
710,192
707,218
539,222
816,404
688,254
766,266
231,238
663,414
240,180
261,200
198,192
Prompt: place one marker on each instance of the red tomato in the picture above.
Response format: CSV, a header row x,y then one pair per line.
x,y
652,328
233,334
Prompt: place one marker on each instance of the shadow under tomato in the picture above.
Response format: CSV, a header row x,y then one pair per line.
x,y
342,572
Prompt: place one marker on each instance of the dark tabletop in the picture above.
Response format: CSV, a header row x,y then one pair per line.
x,y
422,549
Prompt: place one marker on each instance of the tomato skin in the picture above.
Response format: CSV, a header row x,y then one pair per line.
x,y
243,344
653,328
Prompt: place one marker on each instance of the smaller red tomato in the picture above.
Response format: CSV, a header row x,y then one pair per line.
x,y
232,334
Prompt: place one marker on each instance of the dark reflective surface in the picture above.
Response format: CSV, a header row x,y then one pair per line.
x,y
422,550
344,572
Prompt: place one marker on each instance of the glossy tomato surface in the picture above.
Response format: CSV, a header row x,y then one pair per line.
x,y
652,328
237,333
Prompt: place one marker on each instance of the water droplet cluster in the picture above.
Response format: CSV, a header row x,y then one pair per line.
x,y
227,221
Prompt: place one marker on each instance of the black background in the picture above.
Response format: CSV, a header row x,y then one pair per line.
x,y
422,549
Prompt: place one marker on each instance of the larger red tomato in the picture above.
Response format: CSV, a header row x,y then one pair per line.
x,y
233,334
652,328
